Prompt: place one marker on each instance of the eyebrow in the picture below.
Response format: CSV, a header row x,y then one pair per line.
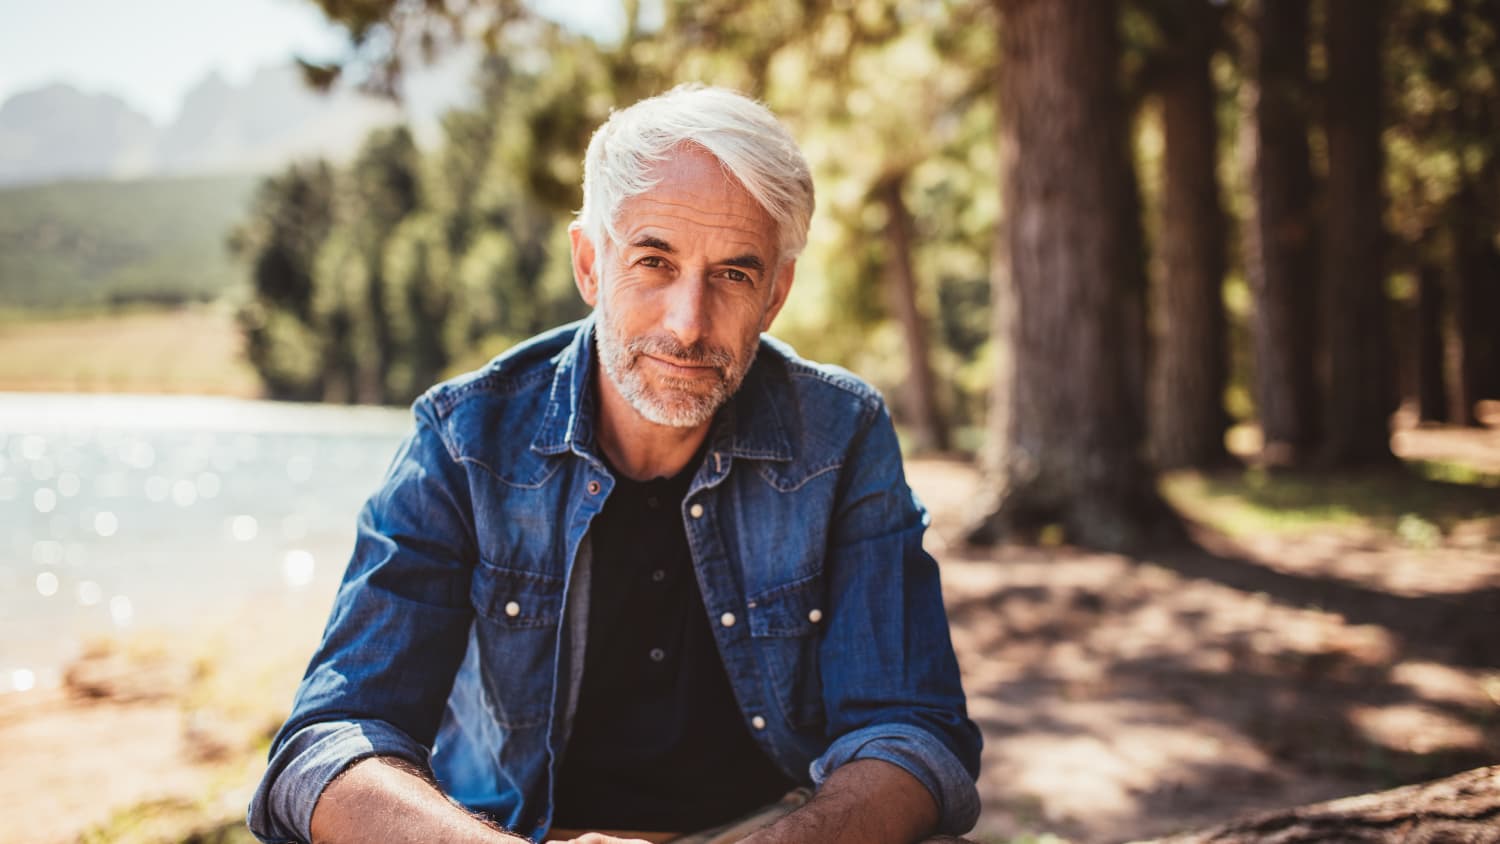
x,y
747,261
656,243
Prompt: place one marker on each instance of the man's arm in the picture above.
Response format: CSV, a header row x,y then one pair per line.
x,y
864,802
397,633
890,679
389,800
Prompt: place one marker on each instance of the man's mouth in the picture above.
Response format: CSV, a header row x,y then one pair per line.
x,y
683,369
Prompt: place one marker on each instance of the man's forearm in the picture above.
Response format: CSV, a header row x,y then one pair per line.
x,y
864,802
381,799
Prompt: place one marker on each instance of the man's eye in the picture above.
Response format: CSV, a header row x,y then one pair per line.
x,y
655,262
739,276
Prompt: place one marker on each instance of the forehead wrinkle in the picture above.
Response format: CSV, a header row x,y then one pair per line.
x,y
746,240
748,216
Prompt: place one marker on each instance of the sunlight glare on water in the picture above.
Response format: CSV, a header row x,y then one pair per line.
x,y
243,527
121,610
184,493
106,523
161,511
89,593
298,568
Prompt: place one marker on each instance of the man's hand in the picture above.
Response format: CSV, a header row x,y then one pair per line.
x,y
388,800
864,802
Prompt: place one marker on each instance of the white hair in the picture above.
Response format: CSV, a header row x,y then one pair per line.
x,y
741,133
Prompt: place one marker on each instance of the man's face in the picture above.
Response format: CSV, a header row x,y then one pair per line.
x,y
683,295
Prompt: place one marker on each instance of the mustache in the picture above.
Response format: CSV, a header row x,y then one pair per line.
x,y
698,354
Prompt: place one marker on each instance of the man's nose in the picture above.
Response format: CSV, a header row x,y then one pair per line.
x,y
687,308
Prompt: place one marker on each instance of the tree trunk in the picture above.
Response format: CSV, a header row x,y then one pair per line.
x,y
1461,808
1432,391
1068,435
1280,257
923,411
1190,360
1477,302
1360,393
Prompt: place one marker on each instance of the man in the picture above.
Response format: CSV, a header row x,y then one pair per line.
x,y
648,574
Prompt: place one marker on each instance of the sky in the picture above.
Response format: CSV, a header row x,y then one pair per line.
x,y
150,52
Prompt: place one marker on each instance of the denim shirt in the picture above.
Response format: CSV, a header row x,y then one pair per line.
x,y
456,639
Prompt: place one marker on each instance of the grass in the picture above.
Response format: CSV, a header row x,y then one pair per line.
x,y
190,349
1417,504
240,676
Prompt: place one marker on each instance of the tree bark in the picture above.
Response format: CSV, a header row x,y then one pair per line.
x,y
1462,808
1476,304
1068,435
1360,392
923,411
1190,355
1279,255
1432,390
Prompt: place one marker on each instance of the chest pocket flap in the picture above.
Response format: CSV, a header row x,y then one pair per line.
x,y
794,609
516,599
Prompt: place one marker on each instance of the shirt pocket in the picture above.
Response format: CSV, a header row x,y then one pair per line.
x,y
517,614
785,626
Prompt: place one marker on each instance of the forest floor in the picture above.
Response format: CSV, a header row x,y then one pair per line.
x,y
1332,636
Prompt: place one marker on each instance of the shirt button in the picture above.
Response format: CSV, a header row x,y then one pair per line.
x,y
512,609
758,722
727,619
658,576
652,502
594,487
815,616
696,511
657,654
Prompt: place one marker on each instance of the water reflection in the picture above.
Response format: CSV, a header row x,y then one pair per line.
x,y
152,512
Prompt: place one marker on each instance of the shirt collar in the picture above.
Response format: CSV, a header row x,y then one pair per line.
x,y
748,426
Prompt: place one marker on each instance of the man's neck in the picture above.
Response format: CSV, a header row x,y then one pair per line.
x,y
637,447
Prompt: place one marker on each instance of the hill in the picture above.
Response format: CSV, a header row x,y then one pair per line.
x,y
95,243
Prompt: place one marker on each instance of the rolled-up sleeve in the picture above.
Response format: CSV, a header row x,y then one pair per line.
x,y
307,761
399,628
891,682
920,754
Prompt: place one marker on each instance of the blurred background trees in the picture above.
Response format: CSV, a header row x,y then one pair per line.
x,y
1272,214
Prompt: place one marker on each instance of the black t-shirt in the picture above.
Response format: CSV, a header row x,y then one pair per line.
x,y
658,742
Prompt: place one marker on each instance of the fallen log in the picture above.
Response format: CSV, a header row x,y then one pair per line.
x,y
1461,809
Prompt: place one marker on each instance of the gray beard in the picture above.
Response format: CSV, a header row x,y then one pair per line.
x,y
675,403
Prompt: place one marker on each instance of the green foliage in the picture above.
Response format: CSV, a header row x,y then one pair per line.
x,y
100,243
370,281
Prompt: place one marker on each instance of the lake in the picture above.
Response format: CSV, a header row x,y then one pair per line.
x,y
122,512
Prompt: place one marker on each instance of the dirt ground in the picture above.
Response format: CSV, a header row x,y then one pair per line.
x,y
1120,698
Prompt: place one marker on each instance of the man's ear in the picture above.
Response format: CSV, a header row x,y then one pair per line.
x,y
779,290
585,265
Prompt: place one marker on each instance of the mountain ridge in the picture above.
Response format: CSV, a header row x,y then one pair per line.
x,y
58,132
